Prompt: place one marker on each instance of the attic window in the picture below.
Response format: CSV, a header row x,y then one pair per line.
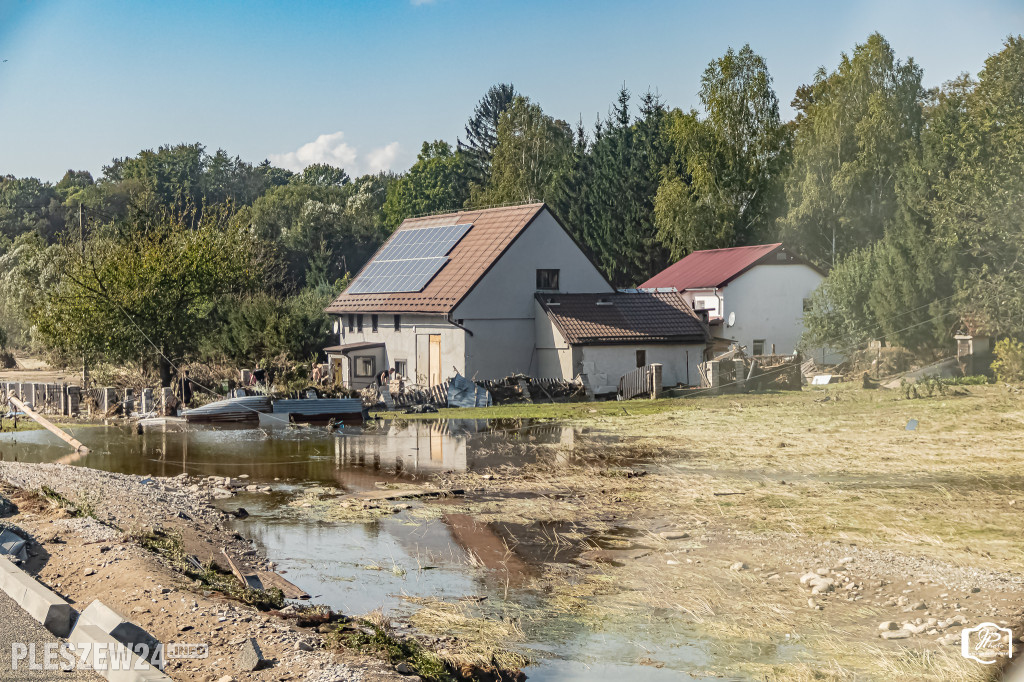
x,y
603,301
547,280
781,256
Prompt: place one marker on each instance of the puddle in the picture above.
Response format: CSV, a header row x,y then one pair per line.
x,y
356,567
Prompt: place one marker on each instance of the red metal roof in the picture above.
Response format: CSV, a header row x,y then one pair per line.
x,y
492,232
633,317
711,268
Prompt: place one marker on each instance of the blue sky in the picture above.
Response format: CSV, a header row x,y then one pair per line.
x,y
362,84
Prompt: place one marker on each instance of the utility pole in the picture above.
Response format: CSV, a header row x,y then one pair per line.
x,y
81,242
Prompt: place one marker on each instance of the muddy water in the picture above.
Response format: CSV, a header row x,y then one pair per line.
x,y
358,567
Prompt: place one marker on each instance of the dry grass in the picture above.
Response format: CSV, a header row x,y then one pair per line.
x,y
799,468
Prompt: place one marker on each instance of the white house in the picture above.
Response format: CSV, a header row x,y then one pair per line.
x,y
458,293
753,295
604,336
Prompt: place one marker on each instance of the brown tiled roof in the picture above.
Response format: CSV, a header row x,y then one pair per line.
x,y
642,316
493,230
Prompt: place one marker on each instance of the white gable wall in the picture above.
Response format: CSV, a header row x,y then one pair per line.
x,y
768,302
499,311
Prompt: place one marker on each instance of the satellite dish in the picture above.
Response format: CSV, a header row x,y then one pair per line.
x,y
732,319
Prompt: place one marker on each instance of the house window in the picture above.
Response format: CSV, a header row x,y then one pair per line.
x,y
359,322
758,346
402,368
351,322
807,305
547,280
365,365
398,323
641,358
374,319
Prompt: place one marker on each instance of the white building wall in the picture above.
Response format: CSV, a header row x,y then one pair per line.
x,y
554,355
768,303
402,344
605,365
499,311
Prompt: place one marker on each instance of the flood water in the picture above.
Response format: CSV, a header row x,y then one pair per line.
x,y
356,567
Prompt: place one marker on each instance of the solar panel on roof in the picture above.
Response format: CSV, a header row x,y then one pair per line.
x,y
409,260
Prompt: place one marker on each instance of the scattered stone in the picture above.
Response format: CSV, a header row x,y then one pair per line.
x,y
673,535
250,658
404,668
895,634
303,645
888,625
90,571
919,606
822,571
808,577
738,566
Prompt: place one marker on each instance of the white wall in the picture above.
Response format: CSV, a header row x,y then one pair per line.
x,y
554,355
401,345
768,303
500,308
605,365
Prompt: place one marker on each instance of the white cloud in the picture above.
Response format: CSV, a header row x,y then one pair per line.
x,y
382,158
331,148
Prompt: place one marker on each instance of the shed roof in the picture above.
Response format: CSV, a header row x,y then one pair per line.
x,y
711,268
635,317
492,233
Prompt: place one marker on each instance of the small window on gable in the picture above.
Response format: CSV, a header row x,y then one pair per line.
x,y
359,322
398,323
641,358
365,365
547,280
374,320
758,346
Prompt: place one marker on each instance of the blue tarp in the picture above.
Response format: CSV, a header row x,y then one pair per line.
x,y
464,393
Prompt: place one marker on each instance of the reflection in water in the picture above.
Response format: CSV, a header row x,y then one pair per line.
x,y
358,567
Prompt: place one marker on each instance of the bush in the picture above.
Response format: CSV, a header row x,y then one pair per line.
x,y
1009,362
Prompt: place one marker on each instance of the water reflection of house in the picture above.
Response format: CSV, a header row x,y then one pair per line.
x,y
459,293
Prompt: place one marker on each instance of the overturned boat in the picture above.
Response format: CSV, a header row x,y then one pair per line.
x,y
241,409
315,411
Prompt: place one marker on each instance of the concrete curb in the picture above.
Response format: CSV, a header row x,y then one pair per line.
x,y
38,601
127,667
117,626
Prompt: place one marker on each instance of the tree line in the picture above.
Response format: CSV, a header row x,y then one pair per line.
x,y
909,198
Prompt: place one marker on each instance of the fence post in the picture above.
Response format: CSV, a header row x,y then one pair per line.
x,y
655,370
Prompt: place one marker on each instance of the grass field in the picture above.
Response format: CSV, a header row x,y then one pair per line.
x,y
782,483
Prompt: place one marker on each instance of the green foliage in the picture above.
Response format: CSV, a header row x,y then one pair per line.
x,y
322,175
372,638
532,150
1009,363
482,131
723,187
28,205
252,327
146,296
856,128
622,172
436,183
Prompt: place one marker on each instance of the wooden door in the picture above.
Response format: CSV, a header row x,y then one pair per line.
x,y
435,359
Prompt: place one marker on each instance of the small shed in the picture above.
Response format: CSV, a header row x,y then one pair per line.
x,y
604,336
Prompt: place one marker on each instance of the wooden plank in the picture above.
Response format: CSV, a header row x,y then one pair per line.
x,y
234,569
400,493
270,579
46,424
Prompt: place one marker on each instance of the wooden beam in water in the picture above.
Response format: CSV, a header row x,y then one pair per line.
x,y
48,425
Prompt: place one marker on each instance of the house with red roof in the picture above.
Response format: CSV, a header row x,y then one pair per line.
x,y
752,295
493,292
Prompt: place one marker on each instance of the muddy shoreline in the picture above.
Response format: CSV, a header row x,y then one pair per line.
x,y
96,556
